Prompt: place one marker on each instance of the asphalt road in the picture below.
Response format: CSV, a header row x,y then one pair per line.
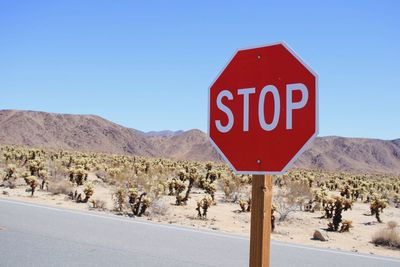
x,y
34,235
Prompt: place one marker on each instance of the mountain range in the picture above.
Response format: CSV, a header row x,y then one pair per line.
x,y
93,133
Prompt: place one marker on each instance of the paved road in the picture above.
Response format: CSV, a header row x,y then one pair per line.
x,y
33,235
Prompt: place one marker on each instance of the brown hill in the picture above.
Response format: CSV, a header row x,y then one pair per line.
x,y
352,154
74,132
190,145
93,133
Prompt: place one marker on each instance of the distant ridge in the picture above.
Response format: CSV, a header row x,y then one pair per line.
x,y
165,133
93,133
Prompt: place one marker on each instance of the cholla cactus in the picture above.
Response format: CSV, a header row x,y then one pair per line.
x,y
377,206
210,189
340,204
171,186
145,204
78,175
182,175
10,172
133,194
119,198
321,196
396,200
208,166
245,205
192,177
138,203
345,191
43,174
273,208
179,187
33,182
212,176
89,191
346,225
203,205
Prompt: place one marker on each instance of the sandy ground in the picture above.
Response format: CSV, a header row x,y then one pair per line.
x,y
226,217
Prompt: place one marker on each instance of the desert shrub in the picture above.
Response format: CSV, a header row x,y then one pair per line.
x,y
11,183
102,175
232,185
291,197
98,204
388,236
159,207
60,187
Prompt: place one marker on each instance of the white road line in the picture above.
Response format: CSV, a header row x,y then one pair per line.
x,y
283,244
183,228
116,218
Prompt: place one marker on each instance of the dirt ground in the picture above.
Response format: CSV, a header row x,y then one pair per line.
x,y
227,217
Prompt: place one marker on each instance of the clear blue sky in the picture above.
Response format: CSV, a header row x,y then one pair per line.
x,y
148,64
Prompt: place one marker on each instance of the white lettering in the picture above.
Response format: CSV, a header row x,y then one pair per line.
x,y
246,92
226,110
277,105
290,105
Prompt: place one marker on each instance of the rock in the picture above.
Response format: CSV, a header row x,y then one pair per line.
x,y
318,235
6,193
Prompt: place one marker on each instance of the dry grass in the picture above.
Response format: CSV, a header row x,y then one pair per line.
x,y
160,207
98,204
9,184
388,236
60,187
291,198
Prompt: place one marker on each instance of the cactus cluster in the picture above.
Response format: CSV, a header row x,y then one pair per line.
x,y
137,179
377,205
245,205
202,206
33,182
334,210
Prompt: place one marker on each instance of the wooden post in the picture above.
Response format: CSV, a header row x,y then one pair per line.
x,y
260,234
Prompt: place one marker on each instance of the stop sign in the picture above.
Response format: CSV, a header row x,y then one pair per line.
x,y
263,109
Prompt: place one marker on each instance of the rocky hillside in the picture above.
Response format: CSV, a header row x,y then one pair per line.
x,y
352,154
76,132
93,133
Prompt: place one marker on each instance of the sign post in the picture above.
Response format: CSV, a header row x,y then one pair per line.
x,y
263,112
260,232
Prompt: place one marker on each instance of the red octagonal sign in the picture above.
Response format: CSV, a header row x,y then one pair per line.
x,y
263,109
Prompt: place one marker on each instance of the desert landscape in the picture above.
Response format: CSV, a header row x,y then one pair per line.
x,y
199,133
343,194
